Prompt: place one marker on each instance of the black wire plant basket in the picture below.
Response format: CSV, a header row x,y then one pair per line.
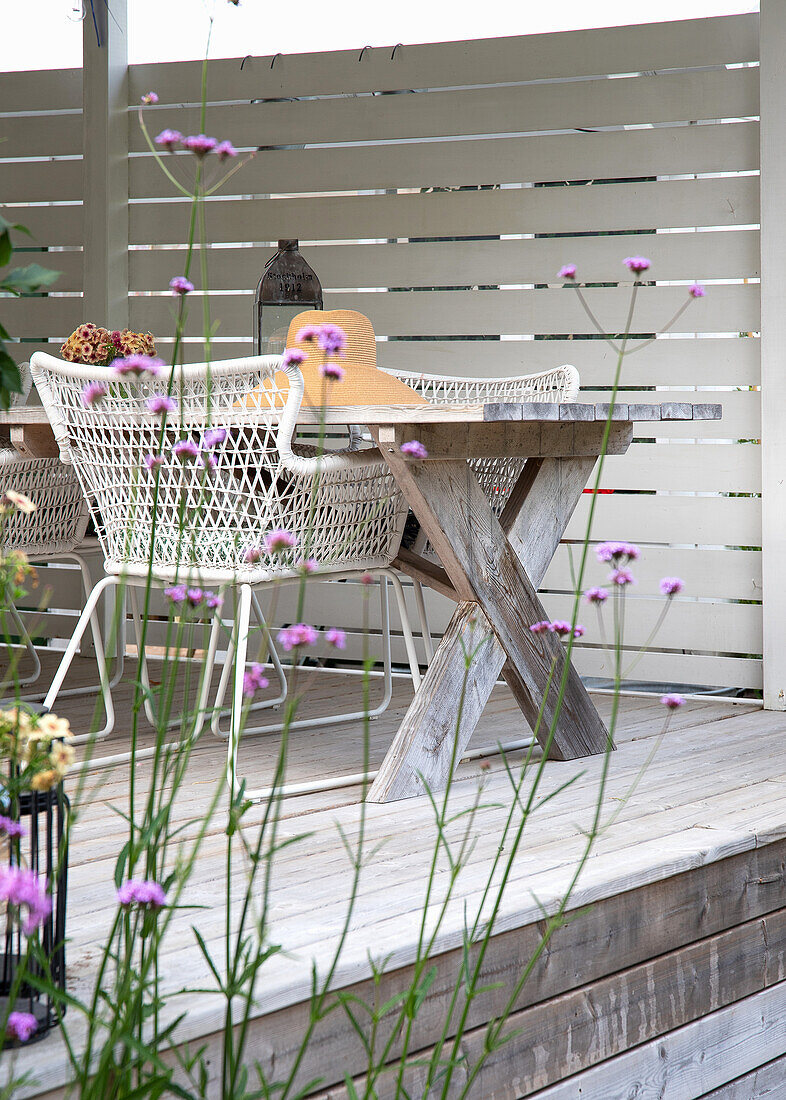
x,y
43,849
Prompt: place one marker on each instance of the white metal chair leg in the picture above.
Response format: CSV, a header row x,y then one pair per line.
x,y
241,648
425,630
409,641
226,672
332,719
200,715
84,619
27,643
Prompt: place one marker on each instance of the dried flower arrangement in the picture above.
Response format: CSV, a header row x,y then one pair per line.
x,y
98,346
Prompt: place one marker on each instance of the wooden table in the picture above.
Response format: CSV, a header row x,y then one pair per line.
x,y
491,567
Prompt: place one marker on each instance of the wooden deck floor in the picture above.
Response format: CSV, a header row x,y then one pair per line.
x,y
696,854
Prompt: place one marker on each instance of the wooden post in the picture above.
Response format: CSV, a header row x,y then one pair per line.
x,y
773,343
105,122
105,165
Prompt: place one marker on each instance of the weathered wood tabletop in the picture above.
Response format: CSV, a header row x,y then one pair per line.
x,y
490,566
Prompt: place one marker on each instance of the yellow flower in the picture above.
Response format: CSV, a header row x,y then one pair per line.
x,y
23,503
50,726
61,757
44,781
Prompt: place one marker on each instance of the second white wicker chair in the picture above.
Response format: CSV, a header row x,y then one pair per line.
x,y
50,533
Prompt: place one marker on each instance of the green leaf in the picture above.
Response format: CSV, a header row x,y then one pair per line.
x,y
10,379
6,248
27,280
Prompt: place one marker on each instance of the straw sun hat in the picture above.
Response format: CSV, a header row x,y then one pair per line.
x,y
363,382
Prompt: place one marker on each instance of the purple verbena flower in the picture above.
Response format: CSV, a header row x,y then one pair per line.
x,y
621,577
20,1026
185,448
207,460
137,365
149,98
161,403
176,593
180,285
543,627
670,586
696,290
277,540
252,555
92,393
169,139
308,565
214,437
225,149
366,578
292,357
194,596
596,595
561,627
332,339
213,601
11,828
636,264
291,637
673,701
23,890
254,680
199,144
332,371
335,637
614,551
567,271
308,333
146,893
578,631
413,449
153,461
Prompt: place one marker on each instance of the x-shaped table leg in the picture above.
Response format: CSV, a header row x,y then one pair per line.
x,y
495,566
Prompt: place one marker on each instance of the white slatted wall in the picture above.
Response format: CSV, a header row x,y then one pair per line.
x,y
441,210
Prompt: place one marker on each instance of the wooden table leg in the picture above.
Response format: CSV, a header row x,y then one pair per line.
x,y
488,560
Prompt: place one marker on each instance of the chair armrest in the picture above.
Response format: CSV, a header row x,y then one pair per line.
x,y
327,463
47,400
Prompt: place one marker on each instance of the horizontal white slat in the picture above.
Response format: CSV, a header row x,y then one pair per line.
x,y
684,668
644,48
660,668
722,574
705,520
50,225
711,627
41,180
699,467
42,317
624,206
702,256
704,362
41,90
673,150
486,312
502,109
55,135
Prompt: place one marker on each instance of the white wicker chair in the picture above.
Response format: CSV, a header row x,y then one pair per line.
x,y
345,508
497,476
51,532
